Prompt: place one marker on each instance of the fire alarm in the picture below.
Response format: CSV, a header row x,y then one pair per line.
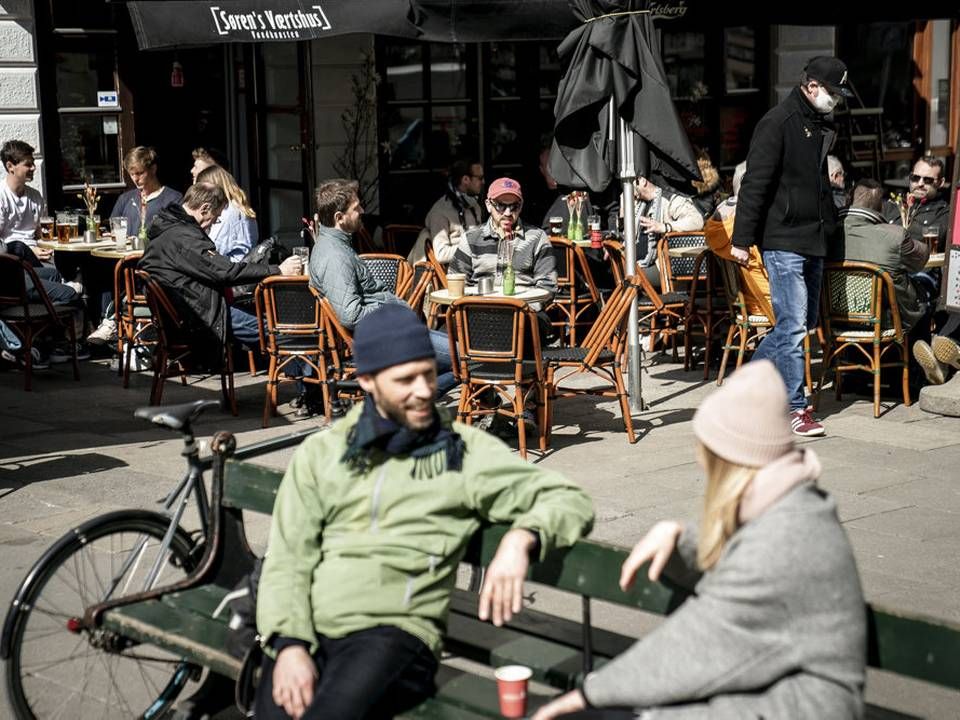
x,y
176,75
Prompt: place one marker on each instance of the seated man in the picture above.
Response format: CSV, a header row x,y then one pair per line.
x,y
482,249
659,212
719,232
453,214
183,259
930,206
867,238
337,272
369,525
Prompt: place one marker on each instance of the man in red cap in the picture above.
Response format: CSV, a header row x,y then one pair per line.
x,y
786,209
483,250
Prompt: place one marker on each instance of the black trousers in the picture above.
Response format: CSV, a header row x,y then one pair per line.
x,y
368,675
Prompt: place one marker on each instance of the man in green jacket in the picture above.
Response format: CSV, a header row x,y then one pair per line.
x,y
370,523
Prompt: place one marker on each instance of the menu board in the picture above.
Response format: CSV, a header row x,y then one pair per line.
x,y
951,279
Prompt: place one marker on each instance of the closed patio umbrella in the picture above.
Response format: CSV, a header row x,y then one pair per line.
x,y
614,90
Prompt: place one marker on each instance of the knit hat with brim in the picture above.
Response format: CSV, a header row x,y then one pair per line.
x,y
746,421
390,336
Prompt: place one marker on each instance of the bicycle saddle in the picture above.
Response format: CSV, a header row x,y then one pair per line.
x,y
175,417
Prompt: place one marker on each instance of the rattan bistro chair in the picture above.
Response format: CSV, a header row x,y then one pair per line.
x,y
600,353
31,317
748,328
392,271
132,313
861,318
176,347
576,291
495,344
291,329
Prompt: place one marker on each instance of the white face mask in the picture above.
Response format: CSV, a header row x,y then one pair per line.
x,y
824,102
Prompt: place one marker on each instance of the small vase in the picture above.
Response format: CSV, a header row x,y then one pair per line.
x,y
93,225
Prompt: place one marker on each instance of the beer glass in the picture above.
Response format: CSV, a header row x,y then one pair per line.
x,y
46,227
67,226
931,236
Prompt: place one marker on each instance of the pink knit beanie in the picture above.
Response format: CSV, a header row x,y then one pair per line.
x,y
746,420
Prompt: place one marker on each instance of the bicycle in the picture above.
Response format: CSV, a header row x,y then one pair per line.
x,y
104,675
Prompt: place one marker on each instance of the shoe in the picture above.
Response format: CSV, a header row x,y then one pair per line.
x,y
39,360
62,353
311,403
802,423
77,287
106,333
928,362
530,421
947,351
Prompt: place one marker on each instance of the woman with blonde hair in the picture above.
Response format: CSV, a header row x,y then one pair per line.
x,y
235,232
776,626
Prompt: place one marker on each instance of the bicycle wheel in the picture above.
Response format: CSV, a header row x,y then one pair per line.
x,y
58,669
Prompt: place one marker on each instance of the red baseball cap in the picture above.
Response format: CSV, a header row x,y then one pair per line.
x,y
504,186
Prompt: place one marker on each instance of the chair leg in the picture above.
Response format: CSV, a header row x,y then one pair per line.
x,y
269,395
126,354
159,377
905,354
28,358
252,362
742,350
624,403
726,354
876,381
518,417
231,390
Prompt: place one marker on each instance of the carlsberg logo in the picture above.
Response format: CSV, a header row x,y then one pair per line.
x,y
267,24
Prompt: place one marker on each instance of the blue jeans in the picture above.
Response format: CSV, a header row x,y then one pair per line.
x,y
441,346
795,294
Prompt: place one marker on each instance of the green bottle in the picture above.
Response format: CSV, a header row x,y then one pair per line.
x,y
509,279
142,237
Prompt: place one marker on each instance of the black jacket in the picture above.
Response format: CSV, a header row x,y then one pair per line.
x,y
185,262
934,213
785,201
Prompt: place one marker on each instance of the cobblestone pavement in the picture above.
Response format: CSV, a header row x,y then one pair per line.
x,y
69,451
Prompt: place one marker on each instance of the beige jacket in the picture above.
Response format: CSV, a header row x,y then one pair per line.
x,y
444,229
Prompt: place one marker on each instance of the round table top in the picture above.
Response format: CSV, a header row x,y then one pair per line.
x,y
686,252
76,245
112,253
527,293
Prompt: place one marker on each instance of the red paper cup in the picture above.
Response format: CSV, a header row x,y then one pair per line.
x,y
512,689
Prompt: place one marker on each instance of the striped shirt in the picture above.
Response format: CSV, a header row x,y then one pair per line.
x,y
533,260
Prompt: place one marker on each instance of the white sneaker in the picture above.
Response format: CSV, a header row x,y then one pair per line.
x,y
77,287
107,332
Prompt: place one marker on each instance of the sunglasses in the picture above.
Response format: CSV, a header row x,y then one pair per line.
x,y
925,179
506,207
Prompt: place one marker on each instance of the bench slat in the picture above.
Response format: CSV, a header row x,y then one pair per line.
x,y
250,487
914,646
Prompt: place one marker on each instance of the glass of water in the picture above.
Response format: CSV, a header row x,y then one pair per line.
x,y
118,226
302,252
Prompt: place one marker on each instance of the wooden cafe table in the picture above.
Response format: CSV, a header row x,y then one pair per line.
x,y
75,246
527,293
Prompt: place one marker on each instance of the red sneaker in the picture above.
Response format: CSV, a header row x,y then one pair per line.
x,y
802,423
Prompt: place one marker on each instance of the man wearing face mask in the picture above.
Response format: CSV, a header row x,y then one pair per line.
x,y
786,208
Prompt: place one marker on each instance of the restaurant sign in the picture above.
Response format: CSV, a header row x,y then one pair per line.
x,y
269,24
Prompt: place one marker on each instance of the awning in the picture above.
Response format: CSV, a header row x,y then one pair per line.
x,y
180,23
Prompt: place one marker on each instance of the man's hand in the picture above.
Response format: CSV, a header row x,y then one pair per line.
x,y
651,226
41,253
502,590
571,702
291,266
656,546
294,676
740,255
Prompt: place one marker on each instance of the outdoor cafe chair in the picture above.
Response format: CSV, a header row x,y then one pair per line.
x,y
495,345
339,355
706,308
424,278
601,352
576,292
175,348
861,318
30,318
132,313
291,329
399,239
392,271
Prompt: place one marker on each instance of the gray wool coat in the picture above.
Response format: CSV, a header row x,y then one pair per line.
x,y
776,629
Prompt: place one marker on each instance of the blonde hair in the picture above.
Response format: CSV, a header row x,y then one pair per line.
x,y
726,483
226,182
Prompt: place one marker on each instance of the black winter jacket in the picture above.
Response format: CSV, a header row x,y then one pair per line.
x,y
785,201
935,213
185,262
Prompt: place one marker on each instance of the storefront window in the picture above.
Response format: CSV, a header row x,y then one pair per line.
x,y
739,59
684,59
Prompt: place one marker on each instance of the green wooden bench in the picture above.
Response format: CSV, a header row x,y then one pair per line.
x,y
179,618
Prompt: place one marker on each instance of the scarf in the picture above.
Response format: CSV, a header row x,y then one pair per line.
x,y
375,432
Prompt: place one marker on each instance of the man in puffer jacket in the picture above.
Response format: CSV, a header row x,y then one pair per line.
x,y
369,525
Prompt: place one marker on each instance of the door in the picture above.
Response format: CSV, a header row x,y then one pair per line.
x,y
283,174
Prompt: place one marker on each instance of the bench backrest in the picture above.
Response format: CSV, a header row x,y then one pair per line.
x,y
903,643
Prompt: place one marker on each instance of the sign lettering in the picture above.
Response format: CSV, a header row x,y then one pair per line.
x,y
267,24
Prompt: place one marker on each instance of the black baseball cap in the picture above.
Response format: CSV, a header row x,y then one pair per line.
x,y
829,72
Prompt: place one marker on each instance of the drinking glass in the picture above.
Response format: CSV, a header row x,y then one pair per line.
x,y
46,227
118,226
931,236
504,258
67,226
302,252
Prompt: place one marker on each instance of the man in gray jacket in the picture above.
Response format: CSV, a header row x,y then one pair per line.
x,y
338,274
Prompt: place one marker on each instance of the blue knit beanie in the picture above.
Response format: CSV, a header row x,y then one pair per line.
x,y
390,336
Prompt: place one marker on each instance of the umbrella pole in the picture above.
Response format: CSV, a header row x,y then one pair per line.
x,y
628,173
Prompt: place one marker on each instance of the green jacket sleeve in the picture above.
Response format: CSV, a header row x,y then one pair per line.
x,y
502,488
283,599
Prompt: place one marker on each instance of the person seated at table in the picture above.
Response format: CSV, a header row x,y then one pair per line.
x,y
660,211
867,238
775,627
235,231
183,259
930,204
838,181
453,214
481,249
718,232
204,158
339,275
